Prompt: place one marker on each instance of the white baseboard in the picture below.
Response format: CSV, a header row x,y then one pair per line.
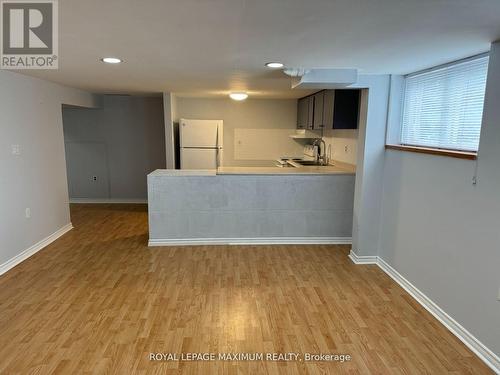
x,y
11,263
364,259
107,201
476,346
252,241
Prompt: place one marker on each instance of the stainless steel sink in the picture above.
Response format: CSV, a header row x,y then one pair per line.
x,y
307,162
304,163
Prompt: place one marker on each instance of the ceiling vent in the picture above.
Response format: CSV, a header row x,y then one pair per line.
x,y
325,78
295,72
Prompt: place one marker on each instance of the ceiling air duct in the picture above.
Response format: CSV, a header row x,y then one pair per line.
x,y
321,78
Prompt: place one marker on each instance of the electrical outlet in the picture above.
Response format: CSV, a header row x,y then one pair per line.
x,y
16,150
27,213
346,149
94,178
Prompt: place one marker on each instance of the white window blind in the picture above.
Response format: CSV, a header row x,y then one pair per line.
x,y
443,107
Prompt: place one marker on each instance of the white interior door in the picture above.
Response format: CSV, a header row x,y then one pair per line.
x,y
200,133
198,158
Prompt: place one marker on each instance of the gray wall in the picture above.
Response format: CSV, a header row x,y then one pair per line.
x,y
370,163
169,107
119,143
30,116
441,232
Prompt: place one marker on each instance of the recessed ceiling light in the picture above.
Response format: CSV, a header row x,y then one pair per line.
x,y
111,60
274,65
238,95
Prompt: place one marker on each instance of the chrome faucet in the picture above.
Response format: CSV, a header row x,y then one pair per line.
x,y
321,157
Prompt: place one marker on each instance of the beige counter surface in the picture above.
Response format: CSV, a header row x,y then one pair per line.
x,y
336,168
183,172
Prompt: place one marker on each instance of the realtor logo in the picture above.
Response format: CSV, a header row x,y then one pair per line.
x,y
29,34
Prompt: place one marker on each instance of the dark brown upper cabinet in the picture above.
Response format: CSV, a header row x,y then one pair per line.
x,y
329,109
318,110
346,109
323,109
305,113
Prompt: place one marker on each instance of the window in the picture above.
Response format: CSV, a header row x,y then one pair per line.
x,y
443,107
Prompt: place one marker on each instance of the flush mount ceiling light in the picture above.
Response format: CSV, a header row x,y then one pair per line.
x,y
275,65
238,95
111,60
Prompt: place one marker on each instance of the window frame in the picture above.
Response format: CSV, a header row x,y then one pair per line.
x,y
463,154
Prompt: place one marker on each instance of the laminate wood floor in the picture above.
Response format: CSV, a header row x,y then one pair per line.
x,y
98,300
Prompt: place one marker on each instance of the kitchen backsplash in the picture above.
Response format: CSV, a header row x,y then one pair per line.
x,y
343,144
265,144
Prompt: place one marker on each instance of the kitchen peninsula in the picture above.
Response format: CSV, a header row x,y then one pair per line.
x,y
251,205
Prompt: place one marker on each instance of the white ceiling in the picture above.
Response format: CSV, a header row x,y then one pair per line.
x,y
209,47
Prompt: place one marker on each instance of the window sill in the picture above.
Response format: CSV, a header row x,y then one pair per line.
x,y
434,151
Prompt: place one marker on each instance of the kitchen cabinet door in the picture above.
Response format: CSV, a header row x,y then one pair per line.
x,y
318,121
302,113
328,108
346,109
310,112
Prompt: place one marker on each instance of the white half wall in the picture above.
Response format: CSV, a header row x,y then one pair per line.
x,y
213,208
31,117
442,233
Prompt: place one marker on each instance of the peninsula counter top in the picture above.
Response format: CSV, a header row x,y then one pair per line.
x,y
336,168
303,170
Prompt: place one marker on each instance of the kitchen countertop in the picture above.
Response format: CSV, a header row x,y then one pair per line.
x,y
336,168
183,172
303,170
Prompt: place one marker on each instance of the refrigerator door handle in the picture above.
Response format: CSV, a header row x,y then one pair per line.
x,y
217,148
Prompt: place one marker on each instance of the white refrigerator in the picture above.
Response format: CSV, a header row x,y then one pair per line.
x,y
201,143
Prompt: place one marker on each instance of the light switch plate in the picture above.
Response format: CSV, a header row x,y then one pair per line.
x,y
16,150
27,213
